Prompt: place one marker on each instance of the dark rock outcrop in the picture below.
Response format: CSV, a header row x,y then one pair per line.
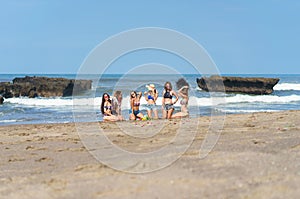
x,y
1,99
247,85
43,87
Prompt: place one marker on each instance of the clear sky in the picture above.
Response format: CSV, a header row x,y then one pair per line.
x,y
55,36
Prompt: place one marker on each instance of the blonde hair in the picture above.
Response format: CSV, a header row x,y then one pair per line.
x,y
117,94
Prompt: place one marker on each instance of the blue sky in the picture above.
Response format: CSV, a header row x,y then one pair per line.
x,y
55,36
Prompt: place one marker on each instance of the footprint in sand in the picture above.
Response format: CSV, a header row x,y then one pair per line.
x,y
38,138
41,149
23,134
56,184
29,147
15,159
249,125
71,149
43,159
89,167
258,142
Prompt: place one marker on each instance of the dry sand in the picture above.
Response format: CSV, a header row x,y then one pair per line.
x,y
257,156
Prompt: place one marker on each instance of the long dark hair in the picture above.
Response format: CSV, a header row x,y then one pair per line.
x,y
181,83
166,86
103,101
134,93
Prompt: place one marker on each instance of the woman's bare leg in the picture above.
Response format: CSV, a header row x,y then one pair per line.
x,y
110,118
155,114
140,115
132,116
180,115
164,114
120,118
149,112
170,112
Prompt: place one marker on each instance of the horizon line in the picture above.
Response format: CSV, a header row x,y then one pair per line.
x,y
149,74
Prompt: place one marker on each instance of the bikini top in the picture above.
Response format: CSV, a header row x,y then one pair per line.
x,y
136,103
108,107
150,97
183,102
168,95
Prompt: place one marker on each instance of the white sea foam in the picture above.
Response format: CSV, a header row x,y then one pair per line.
x,y
194,101
8,121
55,102
287,86
262,99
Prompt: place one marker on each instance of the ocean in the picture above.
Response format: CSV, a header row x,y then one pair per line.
x,y
24,110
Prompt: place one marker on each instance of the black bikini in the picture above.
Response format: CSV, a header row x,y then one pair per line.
x,y
168,95
168,106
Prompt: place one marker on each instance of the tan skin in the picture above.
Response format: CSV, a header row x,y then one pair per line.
x,y
183,92
150,101
119,98
135,99
168,114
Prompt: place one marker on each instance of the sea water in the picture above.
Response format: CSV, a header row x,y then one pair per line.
x,y
23,110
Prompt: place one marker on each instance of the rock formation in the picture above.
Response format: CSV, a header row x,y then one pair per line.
x,y
43,87
1,99
247,85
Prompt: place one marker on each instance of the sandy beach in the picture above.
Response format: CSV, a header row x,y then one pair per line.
x,y
256,156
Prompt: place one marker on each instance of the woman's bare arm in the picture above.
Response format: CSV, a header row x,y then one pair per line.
x,y
163,100
139,95
175,94
181,94
145,95
131,104
155,95
106,111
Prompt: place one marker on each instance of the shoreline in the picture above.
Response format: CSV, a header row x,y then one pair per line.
x,y
256,156
127,120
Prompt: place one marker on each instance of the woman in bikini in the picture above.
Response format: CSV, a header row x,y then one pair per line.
x,y
151,96
167,100
106,109
184,94
135,104
116,102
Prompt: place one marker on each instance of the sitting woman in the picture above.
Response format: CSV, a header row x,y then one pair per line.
x,y
184,94
135,104
167,101
151,97
116,102
106,109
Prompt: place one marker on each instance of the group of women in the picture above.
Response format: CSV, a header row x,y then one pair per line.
x,y
111,108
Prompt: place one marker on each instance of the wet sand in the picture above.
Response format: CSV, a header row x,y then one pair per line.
x,y
256,156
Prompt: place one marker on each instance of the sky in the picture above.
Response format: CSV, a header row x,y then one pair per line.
x,y
241,37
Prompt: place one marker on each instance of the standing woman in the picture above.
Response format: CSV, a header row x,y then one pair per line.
x,y
151,97
167,101
106,108
135,106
